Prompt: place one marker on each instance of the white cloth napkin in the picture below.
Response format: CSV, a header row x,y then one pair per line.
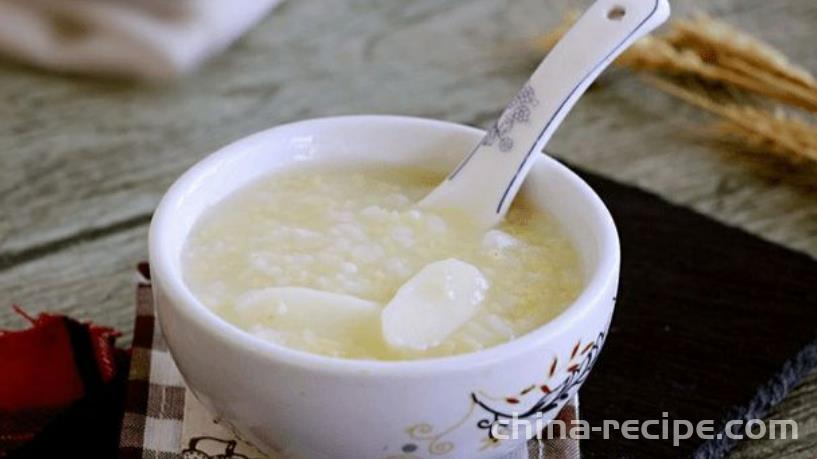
x,y
141,39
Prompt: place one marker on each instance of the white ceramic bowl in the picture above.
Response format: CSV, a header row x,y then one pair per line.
x,y
313,406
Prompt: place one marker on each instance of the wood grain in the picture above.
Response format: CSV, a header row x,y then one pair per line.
x,y
83,162
91,280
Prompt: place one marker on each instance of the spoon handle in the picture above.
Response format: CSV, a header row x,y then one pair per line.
x,y
487,180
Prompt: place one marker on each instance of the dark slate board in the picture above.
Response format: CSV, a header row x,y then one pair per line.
x,y
711,323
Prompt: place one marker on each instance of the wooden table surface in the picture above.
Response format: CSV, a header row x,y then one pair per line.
x,y
83,162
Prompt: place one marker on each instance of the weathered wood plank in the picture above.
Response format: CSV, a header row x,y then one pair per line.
x,y
91,280
799,406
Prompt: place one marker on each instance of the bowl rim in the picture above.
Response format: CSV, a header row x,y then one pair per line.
x,y
185,303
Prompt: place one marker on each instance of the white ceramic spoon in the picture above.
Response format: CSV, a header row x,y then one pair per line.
x,y
487,180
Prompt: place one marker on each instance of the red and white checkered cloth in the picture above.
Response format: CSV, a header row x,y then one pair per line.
x,y
154,398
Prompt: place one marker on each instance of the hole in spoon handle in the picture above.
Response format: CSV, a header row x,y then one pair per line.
x,y
616,13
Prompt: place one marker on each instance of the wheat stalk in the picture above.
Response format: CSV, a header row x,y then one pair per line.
x,y
727,45
789,137
731,56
